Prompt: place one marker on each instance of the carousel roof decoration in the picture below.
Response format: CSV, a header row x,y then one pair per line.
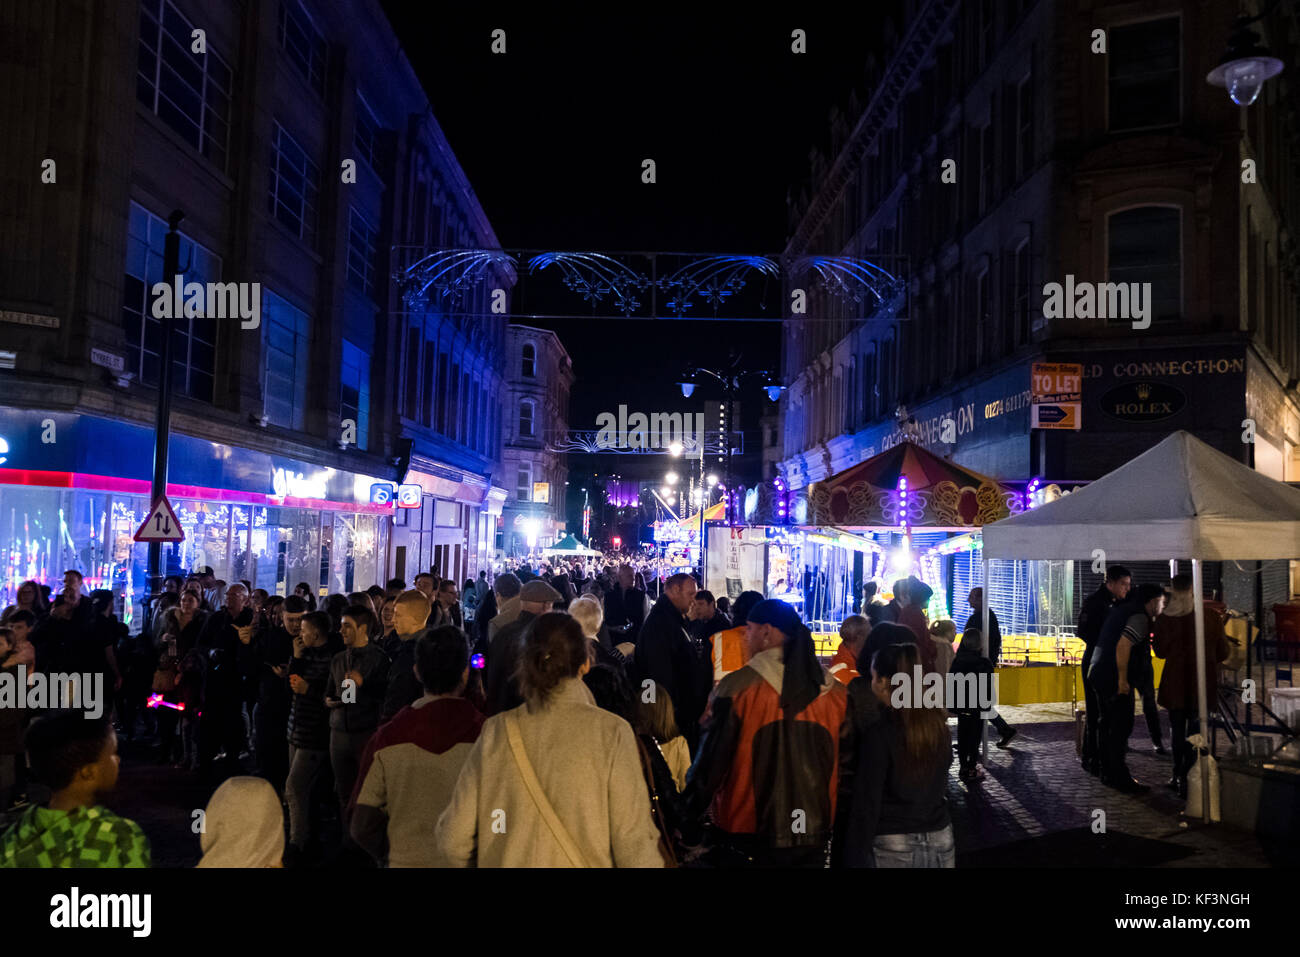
x,y
908,486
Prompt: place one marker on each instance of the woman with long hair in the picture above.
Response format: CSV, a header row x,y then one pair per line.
x,y
28,598
563,775
307,594
895,811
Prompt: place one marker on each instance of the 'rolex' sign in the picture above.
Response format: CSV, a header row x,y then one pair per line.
x,y
1143,401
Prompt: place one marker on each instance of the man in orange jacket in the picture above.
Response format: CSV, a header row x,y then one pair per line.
x,y
853,637
766,773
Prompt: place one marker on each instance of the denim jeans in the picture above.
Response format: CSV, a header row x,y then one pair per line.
x,y
934,849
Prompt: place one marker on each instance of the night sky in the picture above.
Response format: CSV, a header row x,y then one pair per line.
x,y
552,135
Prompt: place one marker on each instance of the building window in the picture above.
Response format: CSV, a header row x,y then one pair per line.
x,y
1144,89
284,385
354,399
193,338
411,392
1020,297
980,301
1144,245
361,254
295,185
303,44
188,91
526,425
987,37
430,387
1024,127
530,361
443,363
524,482
986,168
366,136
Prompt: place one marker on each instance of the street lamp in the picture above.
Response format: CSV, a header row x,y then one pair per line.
x,y
712,480
671,478
731,381
675,450
1247,64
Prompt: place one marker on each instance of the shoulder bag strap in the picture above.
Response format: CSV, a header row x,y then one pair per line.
x,y
534,786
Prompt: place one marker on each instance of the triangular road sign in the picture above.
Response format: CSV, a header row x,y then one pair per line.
x,y
161,525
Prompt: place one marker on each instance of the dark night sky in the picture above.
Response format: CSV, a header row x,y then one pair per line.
x,y
552,135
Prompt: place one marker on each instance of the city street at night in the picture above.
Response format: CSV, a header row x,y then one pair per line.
x,y
728,441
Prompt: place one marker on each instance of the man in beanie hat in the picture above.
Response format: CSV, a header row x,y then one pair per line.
x,y
535,598
768,762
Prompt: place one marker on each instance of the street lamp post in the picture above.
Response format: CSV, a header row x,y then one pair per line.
x,y
162,422
731,384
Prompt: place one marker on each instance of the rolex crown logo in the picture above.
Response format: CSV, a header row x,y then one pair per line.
x,y
1144,391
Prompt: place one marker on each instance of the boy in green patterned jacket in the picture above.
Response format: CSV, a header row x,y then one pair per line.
x,y
77,758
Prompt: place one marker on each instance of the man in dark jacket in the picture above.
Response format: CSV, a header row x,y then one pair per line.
x,y
535,598
309,725
1091,617
226,644
273,647
358,683
1121,664
409,615
975,623
625,608
666,655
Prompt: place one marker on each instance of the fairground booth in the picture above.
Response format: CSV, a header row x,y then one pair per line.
x,y
908,512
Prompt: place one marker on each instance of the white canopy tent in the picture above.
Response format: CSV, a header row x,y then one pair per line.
x,y
568,546
1180,499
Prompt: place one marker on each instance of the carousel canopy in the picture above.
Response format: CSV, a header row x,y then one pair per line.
x,y
569,545
1179,499
939,493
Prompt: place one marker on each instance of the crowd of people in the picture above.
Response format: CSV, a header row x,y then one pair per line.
x,y
553,716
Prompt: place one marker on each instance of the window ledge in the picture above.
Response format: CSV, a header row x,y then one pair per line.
x,y
186,147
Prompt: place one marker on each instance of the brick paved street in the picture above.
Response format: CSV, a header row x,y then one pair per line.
x,y
1035,805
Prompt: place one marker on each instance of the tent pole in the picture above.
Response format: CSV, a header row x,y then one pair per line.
x,y
1198,613
984,648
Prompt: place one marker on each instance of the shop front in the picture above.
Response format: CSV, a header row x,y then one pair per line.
x,y
451,533
74,489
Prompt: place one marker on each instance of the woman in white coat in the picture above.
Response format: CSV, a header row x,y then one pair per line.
x,y
555,782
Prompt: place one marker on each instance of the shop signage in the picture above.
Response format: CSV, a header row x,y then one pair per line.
x,y
409,496
382,493
161,524
1143,401
1056,392
542,492
285,484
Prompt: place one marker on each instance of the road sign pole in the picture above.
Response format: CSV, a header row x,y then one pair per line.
x,y
162,425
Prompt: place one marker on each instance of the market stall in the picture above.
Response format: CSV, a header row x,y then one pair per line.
x,y
1181,499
